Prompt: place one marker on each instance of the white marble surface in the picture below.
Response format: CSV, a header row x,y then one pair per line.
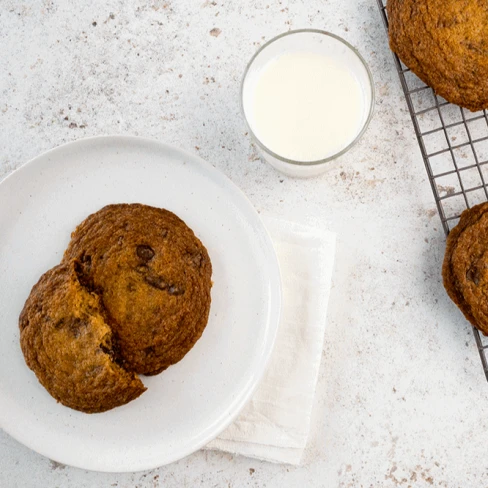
x,y
401,399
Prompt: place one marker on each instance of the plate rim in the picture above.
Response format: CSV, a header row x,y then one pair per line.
x,y
276,295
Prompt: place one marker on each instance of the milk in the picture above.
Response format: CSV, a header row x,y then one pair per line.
x,y
305,106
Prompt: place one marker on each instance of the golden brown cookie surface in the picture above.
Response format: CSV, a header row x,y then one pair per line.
x,y
153,276
465,267
445,43
67,343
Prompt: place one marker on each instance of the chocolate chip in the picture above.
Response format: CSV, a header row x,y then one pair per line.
x,y
472,275
145,252
156,281
59,324
149,350
106,344
76,325
196,259
85,265
175,290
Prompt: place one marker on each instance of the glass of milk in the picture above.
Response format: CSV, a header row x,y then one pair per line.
x,y
307,97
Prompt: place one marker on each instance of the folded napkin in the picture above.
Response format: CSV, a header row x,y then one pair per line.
x,y
274,425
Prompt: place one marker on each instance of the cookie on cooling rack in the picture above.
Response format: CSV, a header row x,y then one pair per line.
x,y
68,344
445,43
153,276
465,267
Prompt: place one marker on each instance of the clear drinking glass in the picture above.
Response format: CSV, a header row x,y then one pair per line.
x,y
317,42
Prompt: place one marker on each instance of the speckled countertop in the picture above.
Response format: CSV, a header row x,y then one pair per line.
x,y
401,399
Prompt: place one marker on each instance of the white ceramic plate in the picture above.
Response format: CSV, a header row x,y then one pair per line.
x,y
193,401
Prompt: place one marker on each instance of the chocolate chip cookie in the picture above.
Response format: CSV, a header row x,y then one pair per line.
x,y
465,268
445,43
67,342
153,276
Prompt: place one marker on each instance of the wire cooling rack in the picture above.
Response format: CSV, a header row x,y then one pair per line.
x,y
454,146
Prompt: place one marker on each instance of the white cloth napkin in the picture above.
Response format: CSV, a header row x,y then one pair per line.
x,y
274,425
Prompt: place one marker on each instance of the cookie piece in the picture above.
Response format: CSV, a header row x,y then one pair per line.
x,y
465,267
67,342
153,276
445,43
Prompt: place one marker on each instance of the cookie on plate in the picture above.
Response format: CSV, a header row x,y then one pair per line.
x,y
153,276
68,344
445,43
465,267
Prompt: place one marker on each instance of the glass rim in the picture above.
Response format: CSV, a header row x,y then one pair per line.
x,y
366,122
